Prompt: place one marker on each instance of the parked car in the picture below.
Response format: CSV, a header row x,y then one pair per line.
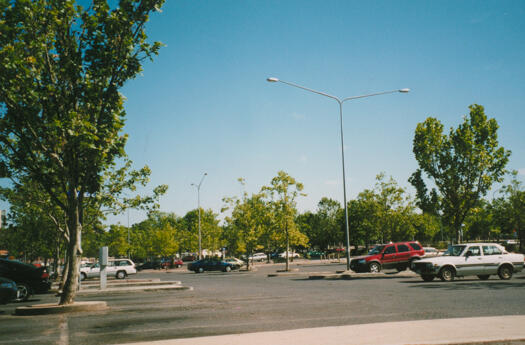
x,y
118,268
392,255
171,263
290,255
315,254
8,290
235,261
29,279
431,252
471,259
211,265
258,257
189,257
149,265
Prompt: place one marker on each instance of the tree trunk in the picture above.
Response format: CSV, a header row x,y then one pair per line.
x,y
73,251
65,271
287,246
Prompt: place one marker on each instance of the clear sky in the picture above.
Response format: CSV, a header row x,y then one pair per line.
x,y
204,104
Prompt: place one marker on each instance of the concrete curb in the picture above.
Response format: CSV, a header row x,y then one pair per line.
x,y
51,308
345,275
117,285
175,287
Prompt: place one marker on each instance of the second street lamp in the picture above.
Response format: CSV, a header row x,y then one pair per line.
x,y
340,102
198,186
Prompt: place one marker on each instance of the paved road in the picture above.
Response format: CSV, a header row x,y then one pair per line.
x,y
238,302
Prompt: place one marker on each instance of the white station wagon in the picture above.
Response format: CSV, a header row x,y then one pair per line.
x,y
470,259
118,268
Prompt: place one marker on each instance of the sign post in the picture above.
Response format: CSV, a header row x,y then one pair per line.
x,y
103,261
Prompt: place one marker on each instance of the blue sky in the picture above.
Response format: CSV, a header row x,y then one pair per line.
x,y
203,105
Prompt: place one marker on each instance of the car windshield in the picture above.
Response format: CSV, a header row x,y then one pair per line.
x,y
454,250
376,250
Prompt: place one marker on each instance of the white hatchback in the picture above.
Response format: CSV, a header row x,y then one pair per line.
x,y
470,259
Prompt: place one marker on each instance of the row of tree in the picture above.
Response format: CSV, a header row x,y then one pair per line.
x,y
269,221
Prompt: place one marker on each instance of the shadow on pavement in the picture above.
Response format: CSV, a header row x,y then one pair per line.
x,y
464,285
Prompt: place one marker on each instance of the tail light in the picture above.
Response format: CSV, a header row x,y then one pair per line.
x,y
45,275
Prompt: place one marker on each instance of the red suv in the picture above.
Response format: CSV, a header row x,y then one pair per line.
x,y
392,255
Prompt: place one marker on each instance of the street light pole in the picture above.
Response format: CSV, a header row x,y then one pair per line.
x,y
199,208
340,102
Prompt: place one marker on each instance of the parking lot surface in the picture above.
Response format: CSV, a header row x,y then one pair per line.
x,y
246,302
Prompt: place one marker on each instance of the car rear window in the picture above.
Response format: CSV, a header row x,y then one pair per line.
x,y
491,250
415,246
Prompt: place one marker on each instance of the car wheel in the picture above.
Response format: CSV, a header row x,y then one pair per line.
x,y
227,269
505,272
374,267
179,266
83,276
447,274
428,277
484,276
23,292
200,269
121,274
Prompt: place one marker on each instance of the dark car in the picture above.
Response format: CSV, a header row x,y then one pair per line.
x,y
7,290
29,279
392,255
211,265
148,265
189,257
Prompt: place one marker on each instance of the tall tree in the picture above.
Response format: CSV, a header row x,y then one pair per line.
x,y
211,232
323,228
247,222
463,164
283,192
509,210
61,114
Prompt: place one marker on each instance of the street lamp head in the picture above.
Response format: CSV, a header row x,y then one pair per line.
x,y
272,80
404,90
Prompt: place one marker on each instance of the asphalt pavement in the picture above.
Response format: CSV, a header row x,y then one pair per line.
x,y
251,305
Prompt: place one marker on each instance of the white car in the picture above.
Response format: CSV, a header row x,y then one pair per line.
x,y
431,252
235,261
258,257
470,259
290,255
118,268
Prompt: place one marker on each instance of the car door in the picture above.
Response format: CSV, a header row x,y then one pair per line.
x,y
492,256
403,254
94,271
389,257
471,262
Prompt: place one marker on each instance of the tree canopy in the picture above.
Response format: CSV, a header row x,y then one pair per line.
x,y
463,165
61,114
